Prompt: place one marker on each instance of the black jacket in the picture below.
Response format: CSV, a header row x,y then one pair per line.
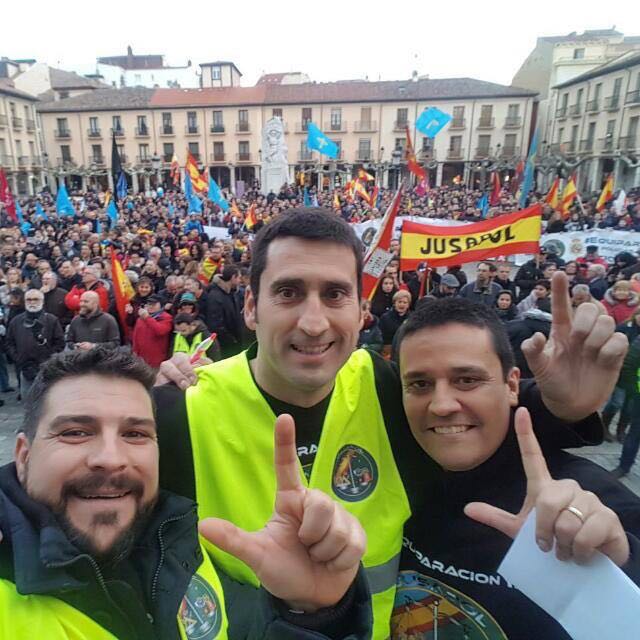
x,y
54,304
526,277
139,598
598,288
223,317
30,343
390,322
99,328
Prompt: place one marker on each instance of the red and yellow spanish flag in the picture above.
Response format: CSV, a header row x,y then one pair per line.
x,y
199,184
412,163
607,193
122,288
363,175
552,196
517,232
251,219
235,212
568,196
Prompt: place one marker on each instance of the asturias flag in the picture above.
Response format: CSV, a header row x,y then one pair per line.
x,y
215,195
319,142
64,205
40,212
431,121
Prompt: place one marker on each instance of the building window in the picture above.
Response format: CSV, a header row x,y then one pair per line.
x,y
117,124
365,116
218,151
121,153
64,94
455,146
458,116
32,149
143,150
63,126
578,54
486,115
96,153
276,113
192,122
617,86
94,127
580,94
402,117
167,151
244,154
364,149
218,122
565,100
400,143
510,144
216,73
427,144
194,150
142,126
484,145
243,120
12,109
65,152
307,117
167,124
336,119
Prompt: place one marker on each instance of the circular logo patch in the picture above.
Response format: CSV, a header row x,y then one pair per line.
x,y
200,612
355,474
557,245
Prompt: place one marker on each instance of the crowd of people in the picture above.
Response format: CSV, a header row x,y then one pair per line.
x,y
398,449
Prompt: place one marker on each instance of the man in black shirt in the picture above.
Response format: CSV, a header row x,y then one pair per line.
x,y
459,391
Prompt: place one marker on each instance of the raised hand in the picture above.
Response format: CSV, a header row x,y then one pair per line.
x,y
177,370
576,519
577,367
309,552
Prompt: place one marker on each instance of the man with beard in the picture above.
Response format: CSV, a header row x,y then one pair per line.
x,y
32,337
94,551
92,327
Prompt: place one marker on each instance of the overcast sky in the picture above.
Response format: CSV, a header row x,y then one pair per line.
x,y
329,40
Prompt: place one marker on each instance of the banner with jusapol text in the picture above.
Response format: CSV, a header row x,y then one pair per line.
x,y
508,234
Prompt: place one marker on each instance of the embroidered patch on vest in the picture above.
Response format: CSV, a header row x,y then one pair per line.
x,y
355,474
200,612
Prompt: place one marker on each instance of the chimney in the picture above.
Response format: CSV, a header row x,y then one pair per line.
x,y
129,51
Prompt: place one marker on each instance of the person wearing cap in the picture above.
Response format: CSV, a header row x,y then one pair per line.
x,y
152,331
190,331
448,287
529,273
592,257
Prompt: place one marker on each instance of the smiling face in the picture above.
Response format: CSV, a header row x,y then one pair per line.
x,y
307,319
455,394
94,458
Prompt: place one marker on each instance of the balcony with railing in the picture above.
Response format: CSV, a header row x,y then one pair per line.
x,y
633,97
629,143
98,159
365,126
512,122
243,127
575,110
454,153
335,127
191,130
302,127
482,152
16,123
4,121
31,125
118,132
400,125
196,155
305,156
23,161
142,132
243,156
167,158
586,145
216,129
36,161
166,130
606,144
612,103
364,155
94,133
593,105
218,157
486,123
561,112
6,160
509,151
570,147
66,161
427,153
458,123
145,161
62,134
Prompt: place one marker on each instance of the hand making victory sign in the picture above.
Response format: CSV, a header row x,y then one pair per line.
x,y
577,367
309,552
576,519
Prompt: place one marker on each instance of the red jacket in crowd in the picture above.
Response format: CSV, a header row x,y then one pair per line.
x,y
151,337
72,299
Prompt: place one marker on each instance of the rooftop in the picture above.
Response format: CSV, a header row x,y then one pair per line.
x,y
624,61
7,87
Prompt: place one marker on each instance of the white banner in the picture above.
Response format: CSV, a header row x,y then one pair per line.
x,y
216,233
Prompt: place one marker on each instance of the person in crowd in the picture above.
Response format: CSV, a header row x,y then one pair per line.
x,y
620,301
92,327
529,273
392,320
448,286
69,277
539,298
94,549
32,337
573,274
144,289
483,289
382,299
458,272
90,282
506,307
482,471
12,280
189,332
222,314
370,334
548,269
152,331
597,281
54,298
622,268
503,271
580,293
592,257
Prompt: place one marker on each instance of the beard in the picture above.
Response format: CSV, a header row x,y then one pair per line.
x,y
85,541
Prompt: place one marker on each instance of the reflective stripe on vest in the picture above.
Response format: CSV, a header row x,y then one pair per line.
x,y
231,426
201,613
180,345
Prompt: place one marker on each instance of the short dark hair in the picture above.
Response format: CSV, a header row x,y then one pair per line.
x,y
228,271
306,223
443,311
110,363
543,282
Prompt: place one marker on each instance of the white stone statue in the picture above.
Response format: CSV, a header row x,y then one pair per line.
x,y
275,165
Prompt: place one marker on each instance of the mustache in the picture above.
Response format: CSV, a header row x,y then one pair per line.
x,y
96,482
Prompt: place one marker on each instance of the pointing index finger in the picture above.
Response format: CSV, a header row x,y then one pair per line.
x,y
285,458
560,304
535,466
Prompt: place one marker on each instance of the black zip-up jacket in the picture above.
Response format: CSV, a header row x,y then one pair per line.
x,y
139,598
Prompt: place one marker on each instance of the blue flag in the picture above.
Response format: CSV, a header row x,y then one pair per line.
x,y
431,121
121,186
19,212
112,212
40,212
483,205
188,189
64,205
215,195
307,199
195,204
25,226
318,141
527,182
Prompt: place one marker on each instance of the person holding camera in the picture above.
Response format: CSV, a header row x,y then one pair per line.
x,y
32,337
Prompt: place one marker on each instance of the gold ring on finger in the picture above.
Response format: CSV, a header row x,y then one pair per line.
x,y
576,512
